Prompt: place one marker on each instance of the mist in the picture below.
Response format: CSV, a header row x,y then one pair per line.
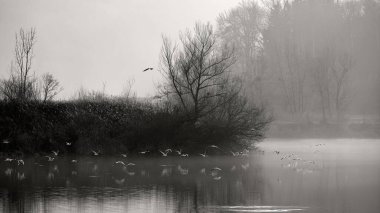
x,y
308,61
190,106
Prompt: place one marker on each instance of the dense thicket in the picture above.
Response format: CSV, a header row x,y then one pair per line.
x,y
112,126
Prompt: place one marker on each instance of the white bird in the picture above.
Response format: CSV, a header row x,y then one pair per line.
x,y
9,160
164,154
217,178
49,158
179,151
20,161
74,161
144,152
204,154
120,162
6,141
235,153
217,168
68,143
185,155
95,153
124,155
55,152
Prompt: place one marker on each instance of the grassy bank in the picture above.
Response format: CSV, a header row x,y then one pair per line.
x,y
108,126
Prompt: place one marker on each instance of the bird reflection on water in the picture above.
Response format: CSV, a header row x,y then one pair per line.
x,y
261,182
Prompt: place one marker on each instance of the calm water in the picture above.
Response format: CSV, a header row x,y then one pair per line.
x,y
281,176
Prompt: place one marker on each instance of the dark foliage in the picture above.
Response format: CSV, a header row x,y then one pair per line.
x,y
113,126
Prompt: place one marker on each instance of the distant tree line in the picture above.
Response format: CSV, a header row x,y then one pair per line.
x,y
307,58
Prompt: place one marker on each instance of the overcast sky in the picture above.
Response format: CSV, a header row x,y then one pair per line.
x,y
91,42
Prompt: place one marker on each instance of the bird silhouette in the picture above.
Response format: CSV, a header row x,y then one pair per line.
x,y
149,68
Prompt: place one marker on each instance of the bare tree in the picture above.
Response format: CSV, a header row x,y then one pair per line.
x,y
196,71
22,85
241,28
127,89
50,87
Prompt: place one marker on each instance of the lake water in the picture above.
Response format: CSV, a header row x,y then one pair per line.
x,y
280,176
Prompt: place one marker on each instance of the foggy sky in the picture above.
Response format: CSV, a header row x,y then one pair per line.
x,y
91,42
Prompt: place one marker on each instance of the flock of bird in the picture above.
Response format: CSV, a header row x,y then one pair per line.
x,y
122,164
298,164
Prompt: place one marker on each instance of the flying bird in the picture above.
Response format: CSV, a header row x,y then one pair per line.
x,y
20,162
165,154
55,152
49,158
120,162
149,68
95,153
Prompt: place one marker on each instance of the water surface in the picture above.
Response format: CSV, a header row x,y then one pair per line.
x,y
280,176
